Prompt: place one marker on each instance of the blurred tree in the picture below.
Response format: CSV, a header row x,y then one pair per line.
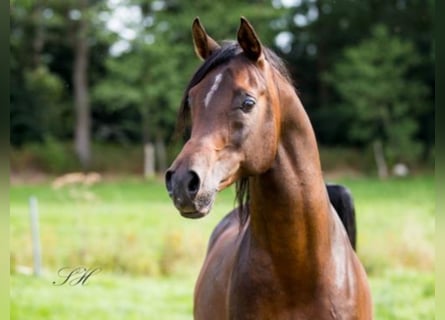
x,y
36,93
82,132
139,57
380,97
47,74
318,31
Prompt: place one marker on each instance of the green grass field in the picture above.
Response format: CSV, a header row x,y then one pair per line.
x,y
150,256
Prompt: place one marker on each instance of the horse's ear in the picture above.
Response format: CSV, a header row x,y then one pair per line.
x,y
204,44
249,41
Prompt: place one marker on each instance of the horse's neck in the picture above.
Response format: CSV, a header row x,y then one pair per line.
x,y
289,203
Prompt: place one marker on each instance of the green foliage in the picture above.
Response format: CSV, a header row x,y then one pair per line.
x,y
340,159
47,91
373,80
43,85
41,68
135,93
321,30
54,157
48,156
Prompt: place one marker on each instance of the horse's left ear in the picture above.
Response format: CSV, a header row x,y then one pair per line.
x,y
249,41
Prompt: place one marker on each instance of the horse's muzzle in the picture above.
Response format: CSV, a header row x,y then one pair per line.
x,y
183,188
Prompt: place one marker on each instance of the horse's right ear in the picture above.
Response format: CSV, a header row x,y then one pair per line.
x,y
204,44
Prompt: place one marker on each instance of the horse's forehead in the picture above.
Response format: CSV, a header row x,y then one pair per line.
x,y
232,76
210,82
244,71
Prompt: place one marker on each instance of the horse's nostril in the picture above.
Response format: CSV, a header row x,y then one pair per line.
x,y
193,184
168,181
182,186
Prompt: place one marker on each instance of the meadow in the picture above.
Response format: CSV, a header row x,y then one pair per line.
x,y
149,256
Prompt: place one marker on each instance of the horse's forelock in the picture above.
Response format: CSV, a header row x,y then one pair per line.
x,y
228,50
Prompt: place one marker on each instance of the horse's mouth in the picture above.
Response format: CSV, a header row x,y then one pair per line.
x,y
199,207
193,215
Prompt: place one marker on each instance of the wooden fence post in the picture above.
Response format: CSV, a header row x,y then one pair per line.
x,y
36,251
149,160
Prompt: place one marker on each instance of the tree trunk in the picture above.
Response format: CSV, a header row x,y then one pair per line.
x,y
82,133
38,39
161,154
149,160
380,161
149,149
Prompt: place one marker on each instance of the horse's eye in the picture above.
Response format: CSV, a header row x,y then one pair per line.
x,y
248,104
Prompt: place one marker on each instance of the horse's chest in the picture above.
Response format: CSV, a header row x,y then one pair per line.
x,y
268,302
258,292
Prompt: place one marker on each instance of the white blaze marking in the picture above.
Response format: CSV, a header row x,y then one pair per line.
x,y
213,89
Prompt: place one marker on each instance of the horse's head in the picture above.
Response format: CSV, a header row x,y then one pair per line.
x,y
231,105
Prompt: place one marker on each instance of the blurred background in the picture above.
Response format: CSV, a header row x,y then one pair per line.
x,y
95,87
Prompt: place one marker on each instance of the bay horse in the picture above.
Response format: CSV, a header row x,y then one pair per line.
x,y
283,253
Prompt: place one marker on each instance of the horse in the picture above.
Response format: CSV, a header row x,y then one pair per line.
x,y
283,253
